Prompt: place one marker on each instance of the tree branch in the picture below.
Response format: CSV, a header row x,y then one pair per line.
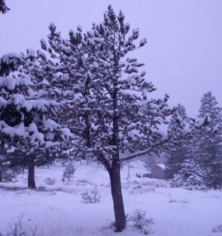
x,y
3,7
145,151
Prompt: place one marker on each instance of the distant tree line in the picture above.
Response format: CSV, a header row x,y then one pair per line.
x,y
197,160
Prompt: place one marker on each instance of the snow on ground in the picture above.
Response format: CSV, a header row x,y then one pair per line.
x,y
59,209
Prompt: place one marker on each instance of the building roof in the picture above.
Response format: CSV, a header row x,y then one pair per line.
x,y
162,166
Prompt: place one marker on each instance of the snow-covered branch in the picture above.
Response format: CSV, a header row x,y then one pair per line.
x,y
145,151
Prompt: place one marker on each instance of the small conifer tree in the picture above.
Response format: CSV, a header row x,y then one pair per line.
x,y
69,171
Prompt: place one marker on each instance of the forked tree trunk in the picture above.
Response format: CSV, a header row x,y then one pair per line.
x,y
31,172
116,190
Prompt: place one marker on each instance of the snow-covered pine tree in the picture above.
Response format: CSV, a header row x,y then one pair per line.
x,y
108,106
127,121
71,71
3,166
208,141
3,7
69,171
180,148
190,175
25,121
8,63
7,171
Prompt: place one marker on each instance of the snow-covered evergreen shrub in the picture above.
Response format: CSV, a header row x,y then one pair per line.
x,y
69,171
191,176
140,221
91,196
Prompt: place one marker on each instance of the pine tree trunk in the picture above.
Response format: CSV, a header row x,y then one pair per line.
x,y
116,190
114,172
2,145
0,175
31,172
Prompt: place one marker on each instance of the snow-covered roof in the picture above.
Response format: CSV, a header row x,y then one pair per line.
x,y
162,166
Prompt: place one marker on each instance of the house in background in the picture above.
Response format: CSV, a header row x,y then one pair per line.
x,y
158,171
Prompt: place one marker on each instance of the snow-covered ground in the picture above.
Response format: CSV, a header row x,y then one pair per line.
x,y
59,210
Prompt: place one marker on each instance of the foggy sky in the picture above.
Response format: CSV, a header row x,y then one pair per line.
x,y
183,56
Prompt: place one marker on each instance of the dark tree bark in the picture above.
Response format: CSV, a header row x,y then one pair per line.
x,y
2,145
0,175
31,172
87,130
114,172
116,190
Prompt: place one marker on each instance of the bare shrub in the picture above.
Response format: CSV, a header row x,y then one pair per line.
x,y
50,181
173,200
140,221
91,196
21,227
217,229
138,189
42,188
83,182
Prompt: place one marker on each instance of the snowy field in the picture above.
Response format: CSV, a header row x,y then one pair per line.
x,y
59,209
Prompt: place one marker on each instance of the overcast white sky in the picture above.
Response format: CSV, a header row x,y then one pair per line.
x,y
184,52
